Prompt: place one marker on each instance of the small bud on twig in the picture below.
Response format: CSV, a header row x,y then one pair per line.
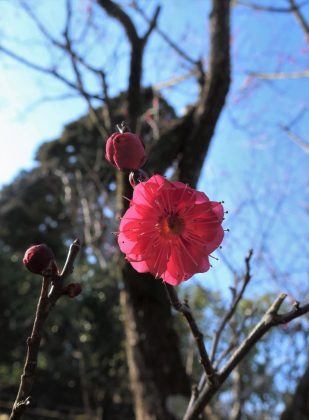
x,y
38,258
125,151
72,290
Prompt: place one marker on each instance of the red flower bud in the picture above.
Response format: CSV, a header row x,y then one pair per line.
x,y
72,290
37,258
126,151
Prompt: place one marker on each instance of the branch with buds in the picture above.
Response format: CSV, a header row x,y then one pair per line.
x,y
271,318
39,259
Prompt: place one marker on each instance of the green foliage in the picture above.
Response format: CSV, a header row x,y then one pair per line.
x,y
31,211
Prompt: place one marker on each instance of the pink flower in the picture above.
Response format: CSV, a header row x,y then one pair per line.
x,y
37,258
170,230
126,151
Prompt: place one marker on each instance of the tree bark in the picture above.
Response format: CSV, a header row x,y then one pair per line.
x,y
156,370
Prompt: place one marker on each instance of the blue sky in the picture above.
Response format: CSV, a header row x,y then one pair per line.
x,y
253,165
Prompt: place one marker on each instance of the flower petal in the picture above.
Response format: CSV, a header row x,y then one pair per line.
x,y
211,246
170,229
140,266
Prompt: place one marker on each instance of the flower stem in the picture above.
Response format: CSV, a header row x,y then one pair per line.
x,y
185,309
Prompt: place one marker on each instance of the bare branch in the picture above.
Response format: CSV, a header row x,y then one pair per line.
x,y
167,39
198,71
232,345
281,75
69,263
230,312
107,109
269,320
23,399
175,80
118,13
75,58
49,71
98,122
55,42
232,309
68,18
273,9
46,301
36,66
152,23
44,31
296,139
45,99
300,18
185,309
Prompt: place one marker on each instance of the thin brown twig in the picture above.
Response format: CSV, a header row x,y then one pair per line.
x,y
300,18
175,80
152,23
185,309
46,301
296,139
232,345
98,122
49,71
67,48
232,309
272,9
164,36
270,319
54,41
230,312
280,75
23,399
69,263
234,340
46,99
137,44
107,109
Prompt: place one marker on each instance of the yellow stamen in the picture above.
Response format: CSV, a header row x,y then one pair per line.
x,y
171,225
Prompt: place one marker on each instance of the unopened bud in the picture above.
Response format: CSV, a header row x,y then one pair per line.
x,y
72,290
37,258
125,151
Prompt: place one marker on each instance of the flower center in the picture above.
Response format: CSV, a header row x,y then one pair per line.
x,y
171,225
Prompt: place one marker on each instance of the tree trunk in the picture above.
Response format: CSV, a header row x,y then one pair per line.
x,y
156,370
